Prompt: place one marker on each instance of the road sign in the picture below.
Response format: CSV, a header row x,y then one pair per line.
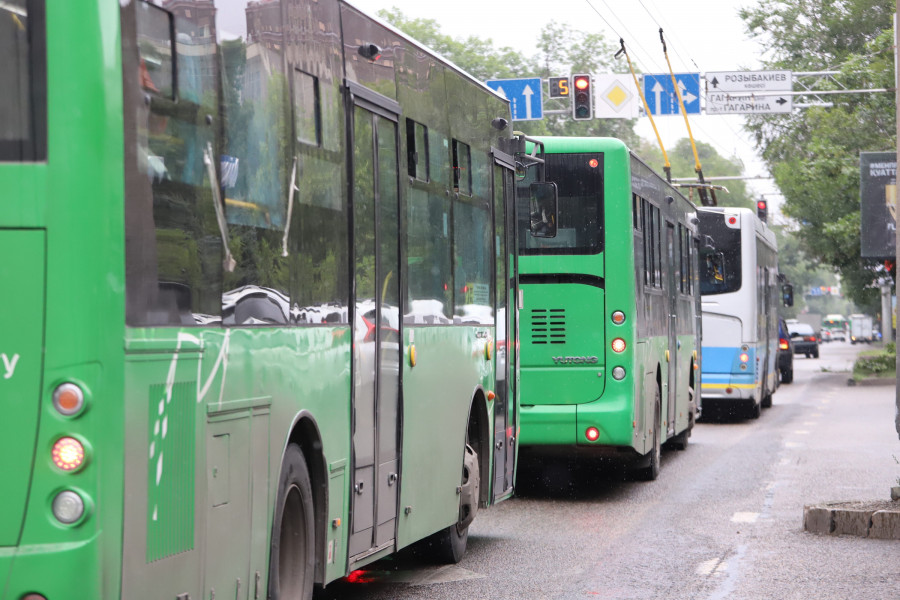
x,y
559,87
749,81
661,96
524,97
747,104
615,97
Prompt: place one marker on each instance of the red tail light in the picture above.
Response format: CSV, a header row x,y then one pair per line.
x,y
810,338
782,344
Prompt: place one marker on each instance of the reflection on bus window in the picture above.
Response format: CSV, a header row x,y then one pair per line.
x,y
720,269
580,226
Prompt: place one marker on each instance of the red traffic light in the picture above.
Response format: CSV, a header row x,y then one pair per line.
x,y
582,82
761,205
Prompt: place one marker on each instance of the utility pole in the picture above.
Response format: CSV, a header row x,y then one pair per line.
x,y
897,249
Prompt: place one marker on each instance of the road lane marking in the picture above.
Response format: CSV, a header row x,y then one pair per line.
x,y
712,566
745,517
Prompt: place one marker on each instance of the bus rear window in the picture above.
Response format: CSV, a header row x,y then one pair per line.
x,y
579,179
23,102
720,269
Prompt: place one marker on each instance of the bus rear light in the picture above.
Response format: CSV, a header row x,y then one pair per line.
x,y
744,357
618,345
618,317
592,434
68,454
594,163
68,399
618,373
68,507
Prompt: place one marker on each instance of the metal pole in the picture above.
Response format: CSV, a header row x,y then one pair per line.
x,y
897,249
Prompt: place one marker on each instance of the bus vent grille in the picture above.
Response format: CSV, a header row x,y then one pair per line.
x,y
548,326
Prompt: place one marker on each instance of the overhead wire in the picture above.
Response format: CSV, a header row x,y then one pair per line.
x,y
640,58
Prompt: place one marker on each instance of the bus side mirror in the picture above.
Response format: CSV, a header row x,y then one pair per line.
x,y
544,209
787,294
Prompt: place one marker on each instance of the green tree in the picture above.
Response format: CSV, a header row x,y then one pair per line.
x,y
681,157
814,153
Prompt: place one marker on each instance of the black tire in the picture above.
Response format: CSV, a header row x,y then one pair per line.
x,y
651,471
787,376
766,401
450,543
816,353
754,410
292,555
807,355
680,441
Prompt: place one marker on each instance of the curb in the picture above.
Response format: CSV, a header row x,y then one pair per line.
x,y
879,519
871,381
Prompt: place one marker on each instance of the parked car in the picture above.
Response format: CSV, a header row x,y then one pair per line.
x,y
785,356
804,339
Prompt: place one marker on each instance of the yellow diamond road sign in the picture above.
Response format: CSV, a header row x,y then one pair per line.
x,y
618,99
616,96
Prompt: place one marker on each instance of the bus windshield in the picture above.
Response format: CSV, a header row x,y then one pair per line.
x,y
22,102
720,270
579,179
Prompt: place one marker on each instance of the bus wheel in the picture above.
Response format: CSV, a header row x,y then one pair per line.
x,y
451,542
651,471
766,401
755,409
292,556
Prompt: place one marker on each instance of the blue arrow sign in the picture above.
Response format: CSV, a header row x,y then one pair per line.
x,y
524,97
661,97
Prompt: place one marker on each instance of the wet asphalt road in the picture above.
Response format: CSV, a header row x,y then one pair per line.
x,y
723,521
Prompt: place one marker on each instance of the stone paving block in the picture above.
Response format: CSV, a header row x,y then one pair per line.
x,y
851,522
885,525
817,519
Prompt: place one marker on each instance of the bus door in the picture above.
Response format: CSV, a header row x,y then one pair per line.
x,y
672,353
505,413
376,321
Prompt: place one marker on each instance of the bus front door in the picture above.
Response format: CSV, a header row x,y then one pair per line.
x,y
376,326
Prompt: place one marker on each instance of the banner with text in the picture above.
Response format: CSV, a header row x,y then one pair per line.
x,y
878,198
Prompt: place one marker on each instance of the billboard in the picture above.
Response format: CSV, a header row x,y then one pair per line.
x,y
878,199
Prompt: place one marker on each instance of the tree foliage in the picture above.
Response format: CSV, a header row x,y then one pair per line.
x,y
814,153
681,157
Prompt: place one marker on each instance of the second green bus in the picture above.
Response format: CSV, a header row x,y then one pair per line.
x,y
610,327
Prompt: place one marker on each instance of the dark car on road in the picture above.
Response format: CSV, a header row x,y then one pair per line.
x,y
785,353
804,339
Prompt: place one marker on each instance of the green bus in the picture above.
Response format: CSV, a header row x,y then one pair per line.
x,y
610,329
255,331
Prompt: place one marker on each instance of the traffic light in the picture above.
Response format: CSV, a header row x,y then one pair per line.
x,y
582,106
761,210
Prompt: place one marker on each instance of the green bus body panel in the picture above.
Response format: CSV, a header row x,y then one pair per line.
x,y
548,425
76,198
22,327
562,350
435,444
